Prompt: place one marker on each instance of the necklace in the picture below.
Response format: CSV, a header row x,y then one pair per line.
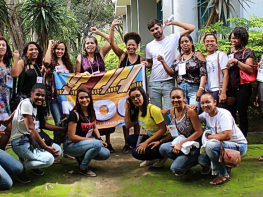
x,y
188,57
87,119
132,61
232,51
181,114
96,60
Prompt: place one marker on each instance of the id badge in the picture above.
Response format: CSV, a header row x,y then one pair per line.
x,y
39,79
2,127
260,75
9,81
182,69
97,72
37,124
149,132
89,133
231,56
59,69
173,130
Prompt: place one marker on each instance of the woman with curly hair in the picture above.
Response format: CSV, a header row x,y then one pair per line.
x,y
28,69
6,82
240,58
56,59
132,41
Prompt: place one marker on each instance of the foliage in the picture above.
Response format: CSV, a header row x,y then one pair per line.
x,y
3,13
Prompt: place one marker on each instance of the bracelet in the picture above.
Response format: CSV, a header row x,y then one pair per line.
x,y
100,139
160,141
202,88
237,62
112,29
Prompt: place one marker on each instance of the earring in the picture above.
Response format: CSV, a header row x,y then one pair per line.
x,y
44,104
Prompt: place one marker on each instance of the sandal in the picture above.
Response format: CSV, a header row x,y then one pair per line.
x,y
260,158
110,148
220,180
57,160
68,157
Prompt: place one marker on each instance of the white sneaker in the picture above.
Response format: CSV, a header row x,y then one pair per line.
x,y
160,163
148,163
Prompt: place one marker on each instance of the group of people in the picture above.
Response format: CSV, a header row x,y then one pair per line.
x,y
217,74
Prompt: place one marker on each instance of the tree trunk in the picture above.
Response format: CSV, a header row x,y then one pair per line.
x,y
68,40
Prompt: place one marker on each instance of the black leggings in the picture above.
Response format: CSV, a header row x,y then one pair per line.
x,y
242,95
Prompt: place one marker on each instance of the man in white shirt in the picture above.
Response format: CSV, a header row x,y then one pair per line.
x,y
160,83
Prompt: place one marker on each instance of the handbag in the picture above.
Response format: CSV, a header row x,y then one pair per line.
x,y
230,99
245,77
45,137
228,157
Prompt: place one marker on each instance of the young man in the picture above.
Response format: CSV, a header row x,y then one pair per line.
x,y
160,83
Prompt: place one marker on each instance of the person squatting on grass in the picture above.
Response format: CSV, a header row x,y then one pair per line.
x,y
223,128
28,120
150,118
84,141
188,126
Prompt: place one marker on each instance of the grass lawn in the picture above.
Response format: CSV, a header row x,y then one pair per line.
x,y
121,176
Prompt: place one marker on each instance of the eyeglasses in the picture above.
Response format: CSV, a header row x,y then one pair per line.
x,y
136,96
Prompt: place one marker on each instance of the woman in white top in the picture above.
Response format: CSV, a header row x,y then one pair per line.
x,y
223,128
213,58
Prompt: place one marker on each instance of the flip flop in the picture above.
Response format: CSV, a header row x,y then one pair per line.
x,y
260,158
68,157
220,180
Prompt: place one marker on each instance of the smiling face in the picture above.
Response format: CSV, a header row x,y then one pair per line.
x,y
83,99
2,47
136,98
186,44
32,52
208,104
38,97
131,46
90,45
235,42
60,50
157,31
177,98
210,43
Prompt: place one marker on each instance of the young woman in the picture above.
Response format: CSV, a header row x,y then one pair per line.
x,y
187,123
241,58
132,41
6,83
92,62
189,69
84,141
150,118
29,118
29,66
224,129
56,59
213,58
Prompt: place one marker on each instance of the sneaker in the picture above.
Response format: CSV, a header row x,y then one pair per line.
x,y
125,149
37,172
160,163
23,179
87,172
148,163
205,169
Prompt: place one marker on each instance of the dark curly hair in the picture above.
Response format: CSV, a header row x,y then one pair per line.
x,y
191,40
8,55
97,50
153,22
132,36
240,32
90,107
39,57
65,58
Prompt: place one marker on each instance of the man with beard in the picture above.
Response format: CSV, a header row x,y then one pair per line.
x,y
160,83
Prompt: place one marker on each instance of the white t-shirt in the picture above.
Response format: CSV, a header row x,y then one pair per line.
x,y
225,121
212,70
166,48
18,123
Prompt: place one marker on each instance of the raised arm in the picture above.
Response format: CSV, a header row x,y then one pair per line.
x,y
114,46
105,48
17,68
188,28
78,65
47,59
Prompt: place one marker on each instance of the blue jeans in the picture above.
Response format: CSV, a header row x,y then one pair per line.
x,y
35,159
150,154
8,166
55,111
159,89
213,153
89,149
190,91
182,162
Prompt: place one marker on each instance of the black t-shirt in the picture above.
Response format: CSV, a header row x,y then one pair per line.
x,y
83,127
